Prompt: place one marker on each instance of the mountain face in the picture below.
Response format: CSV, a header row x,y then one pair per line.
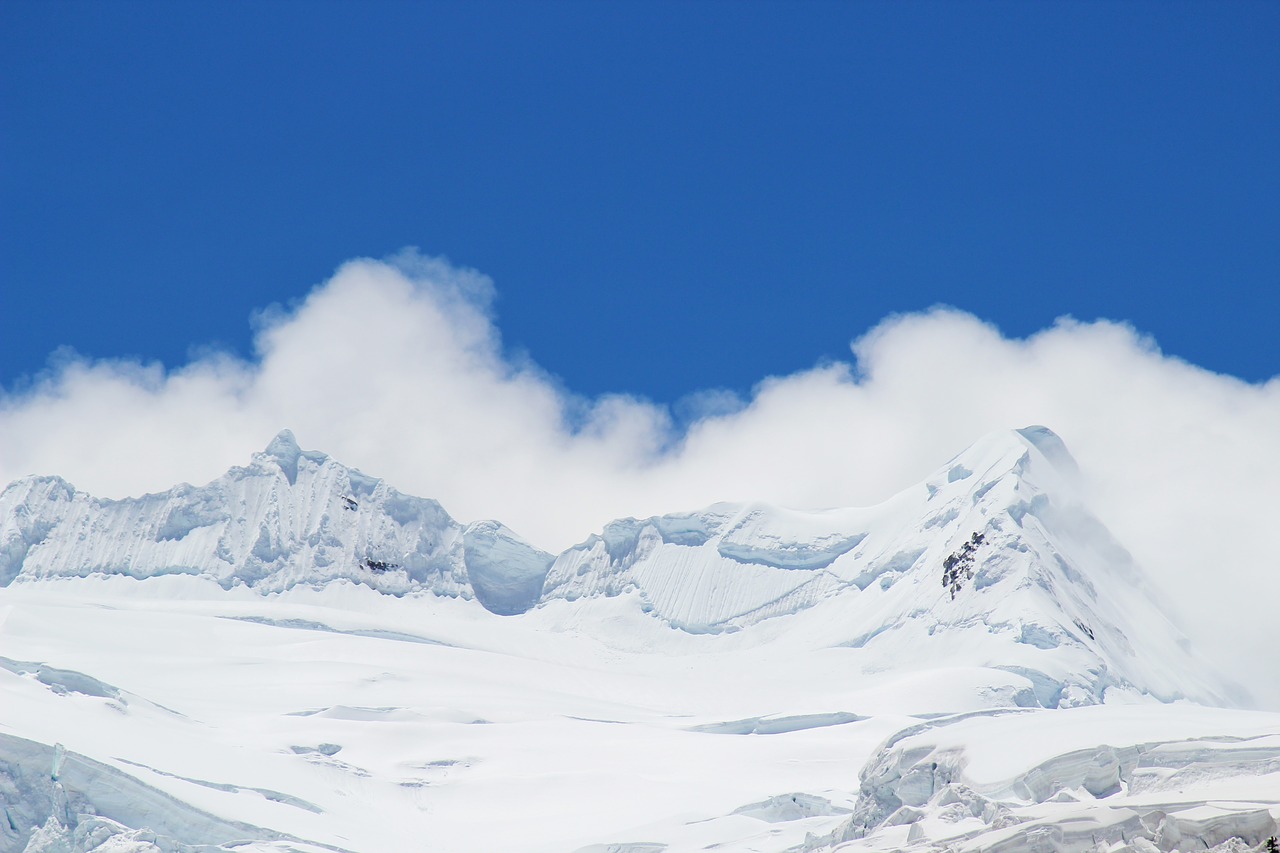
x,y
992,555
991,561
290,517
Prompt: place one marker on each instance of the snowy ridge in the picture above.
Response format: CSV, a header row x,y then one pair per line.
x,y
993,553
1036,586
290,517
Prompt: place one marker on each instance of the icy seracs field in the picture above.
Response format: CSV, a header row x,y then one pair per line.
x,y
298,657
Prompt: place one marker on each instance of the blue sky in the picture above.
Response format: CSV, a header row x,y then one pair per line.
x,y
669,197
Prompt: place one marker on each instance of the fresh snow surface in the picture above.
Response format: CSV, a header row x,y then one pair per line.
x,y
298,657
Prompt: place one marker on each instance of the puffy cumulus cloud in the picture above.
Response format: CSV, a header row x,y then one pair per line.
x,y
397,368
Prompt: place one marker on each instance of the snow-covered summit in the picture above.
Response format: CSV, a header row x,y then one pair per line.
x,y
802,557
284,450
991,561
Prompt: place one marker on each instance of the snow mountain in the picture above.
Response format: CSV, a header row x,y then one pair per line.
x,y
298,657
992,561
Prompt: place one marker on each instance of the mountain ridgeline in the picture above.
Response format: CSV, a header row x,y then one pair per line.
x,y
993,552
290,517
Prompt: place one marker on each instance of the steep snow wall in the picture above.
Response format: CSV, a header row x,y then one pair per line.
x,y
290,517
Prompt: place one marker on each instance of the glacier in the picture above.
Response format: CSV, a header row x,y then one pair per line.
x,y
296,656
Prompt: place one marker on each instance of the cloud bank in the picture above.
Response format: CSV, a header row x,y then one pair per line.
x,y
397,368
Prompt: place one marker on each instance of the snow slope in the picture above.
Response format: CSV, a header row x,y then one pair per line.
x,y
256,664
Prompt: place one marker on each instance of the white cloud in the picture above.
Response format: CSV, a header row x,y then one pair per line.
x,y
397,368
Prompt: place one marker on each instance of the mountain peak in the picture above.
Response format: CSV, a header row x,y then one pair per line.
x,y
1051,446
285,451
1032,458
284,447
